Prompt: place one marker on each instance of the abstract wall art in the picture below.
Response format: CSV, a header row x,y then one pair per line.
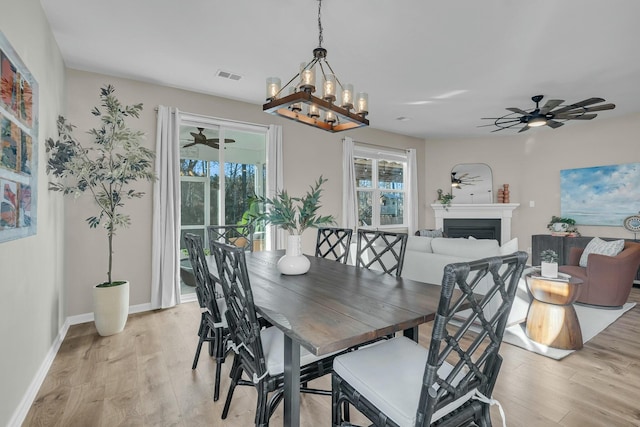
x,y
18,146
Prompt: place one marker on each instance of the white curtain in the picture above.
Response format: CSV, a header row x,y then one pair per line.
x,y
412,191
276,238
349,202
165,264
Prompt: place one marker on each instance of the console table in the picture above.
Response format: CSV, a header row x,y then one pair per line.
x,y
562,245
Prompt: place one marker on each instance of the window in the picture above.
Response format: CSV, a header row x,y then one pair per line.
x,y
381,188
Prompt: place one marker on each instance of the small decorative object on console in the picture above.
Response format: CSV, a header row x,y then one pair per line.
x,y
563,227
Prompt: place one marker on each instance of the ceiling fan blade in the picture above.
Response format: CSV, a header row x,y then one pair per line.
x,y
582,117
580,104
601,107
518,110
524,129
553,124
550,105
188,145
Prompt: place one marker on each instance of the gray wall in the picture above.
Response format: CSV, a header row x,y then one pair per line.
x,y
32,303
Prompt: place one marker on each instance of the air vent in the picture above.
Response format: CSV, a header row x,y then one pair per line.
x,y
228,75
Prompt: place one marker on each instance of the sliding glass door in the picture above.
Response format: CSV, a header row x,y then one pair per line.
x,y
222,169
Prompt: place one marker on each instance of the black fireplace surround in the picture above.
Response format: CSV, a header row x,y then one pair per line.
x,y
480,228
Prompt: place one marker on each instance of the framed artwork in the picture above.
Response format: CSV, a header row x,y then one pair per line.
x,y
18,152
600,195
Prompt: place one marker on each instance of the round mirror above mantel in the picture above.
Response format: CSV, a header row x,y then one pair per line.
x,y
472,183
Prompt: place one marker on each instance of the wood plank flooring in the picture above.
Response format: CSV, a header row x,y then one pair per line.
x,y
143,377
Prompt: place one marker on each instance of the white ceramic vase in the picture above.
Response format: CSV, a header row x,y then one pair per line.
x,y
111,308
549,269
293,262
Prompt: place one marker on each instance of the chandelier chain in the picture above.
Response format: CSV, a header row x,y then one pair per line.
x,y
319,23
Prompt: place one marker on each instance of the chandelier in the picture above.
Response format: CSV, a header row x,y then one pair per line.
x,y
333,111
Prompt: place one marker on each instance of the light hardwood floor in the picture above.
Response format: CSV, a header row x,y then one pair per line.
x,y
143,377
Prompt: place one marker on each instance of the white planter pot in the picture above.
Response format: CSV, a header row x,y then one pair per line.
x,y
293,262
549,269
111,308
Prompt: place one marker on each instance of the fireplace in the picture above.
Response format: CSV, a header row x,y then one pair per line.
x,y
480,228
475,218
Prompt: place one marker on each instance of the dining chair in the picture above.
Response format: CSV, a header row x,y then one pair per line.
x,y
334,243
213,325
381,250
258,351
401,383
237,235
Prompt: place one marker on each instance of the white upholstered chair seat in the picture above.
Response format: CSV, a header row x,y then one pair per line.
x,y
222,308
273,348
389,375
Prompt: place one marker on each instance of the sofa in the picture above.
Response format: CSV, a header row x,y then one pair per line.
x,y
426,257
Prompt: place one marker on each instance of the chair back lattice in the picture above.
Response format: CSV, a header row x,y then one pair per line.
x,y
471,343
236,235
334,243
205,282
380,250
242,319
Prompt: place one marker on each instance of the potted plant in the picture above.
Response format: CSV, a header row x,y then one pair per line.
x,y
295,215
107,170
563,226
549,263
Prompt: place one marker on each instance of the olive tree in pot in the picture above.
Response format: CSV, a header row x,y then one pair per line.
x,y
107,171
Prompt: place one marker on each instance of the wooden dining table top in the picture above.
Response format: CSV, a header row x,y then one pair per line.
x,y
335,306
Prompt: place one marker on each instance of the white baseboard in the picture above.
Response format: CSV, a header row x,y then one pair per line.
x,y
27,400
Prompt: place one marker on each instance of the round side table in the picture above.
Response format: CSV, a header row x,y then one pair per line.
x,y
552,319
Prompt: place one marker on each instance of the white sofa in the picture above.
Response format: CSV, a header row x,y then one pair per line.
x,y
426,257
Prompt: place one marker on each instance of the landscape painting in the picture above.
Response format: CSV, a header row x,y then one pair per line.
x,y
600,195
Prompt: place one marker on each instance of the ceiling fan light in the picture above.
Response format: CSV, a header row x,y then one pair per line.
x,y
537,122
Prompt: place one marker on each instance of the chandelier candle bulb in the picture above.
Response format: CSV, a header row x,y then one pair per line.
x,y
363,103
273,87
330,117
296,107
329,92
347,96
314,111
307,78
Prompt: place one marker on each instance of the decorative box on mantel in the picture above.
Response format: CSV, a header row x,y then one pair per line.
x,y
486,220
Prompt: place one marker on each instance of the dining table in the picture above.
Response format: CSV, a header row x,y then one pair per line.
x,y
333,307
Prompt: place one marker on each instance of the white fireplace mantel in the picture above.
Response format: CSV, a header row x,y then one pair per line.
x,y
502,211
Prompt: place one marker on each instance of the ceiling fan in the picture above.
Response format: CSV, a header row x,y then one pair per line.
x,y
552,114
457,181
201,138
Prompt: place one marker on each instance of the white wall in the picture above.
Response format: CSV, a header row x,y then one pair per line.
x,y
531,162
308,153
32,302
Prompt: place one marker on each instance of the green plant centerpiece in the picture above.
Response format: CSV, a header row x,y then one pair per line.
x,y
294,215
445,199
107,170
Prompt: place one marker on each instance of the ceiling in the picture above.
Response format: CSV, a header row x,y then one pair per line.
x,y
442,64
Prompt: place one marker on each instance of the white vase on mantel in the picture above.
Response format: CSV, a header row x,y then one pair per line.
x,y
293,262
549,269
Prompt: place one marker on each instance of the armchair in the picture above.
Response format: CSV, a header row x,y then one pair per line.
x,y
607,280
